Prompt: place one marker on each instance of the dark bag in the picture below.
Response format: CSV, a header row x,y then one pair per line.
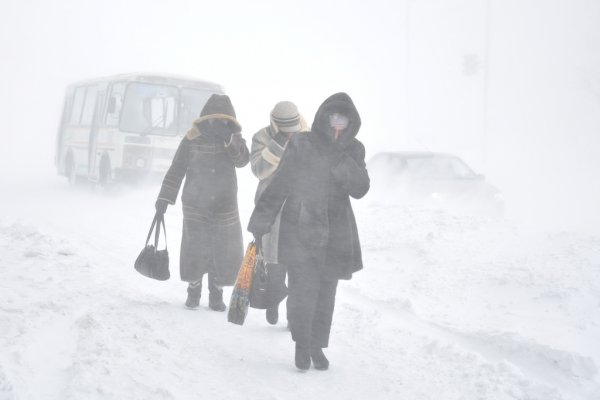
x,y
152,262
262,293
259,293
238,305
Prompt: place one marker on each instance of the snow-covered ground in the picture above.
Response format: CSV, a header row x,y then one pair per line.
x,y
447,307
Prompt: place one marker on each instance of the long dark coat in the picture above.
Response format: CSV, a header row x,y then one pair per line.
x,y
314,183
212,235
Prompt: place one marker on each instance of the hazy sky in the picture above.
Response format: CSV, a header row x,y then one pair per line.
x,y
403,62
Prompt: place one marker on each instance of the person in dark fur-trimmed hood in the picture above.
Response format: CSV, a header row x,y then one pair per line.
x,y
212,235
317,175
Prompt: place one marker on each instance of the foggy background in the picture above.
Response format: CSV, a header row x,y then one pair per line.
x,y
511,86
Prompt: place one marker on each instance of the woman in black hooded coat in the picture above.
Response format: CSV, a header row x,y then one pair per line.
x,y
211,242
318,236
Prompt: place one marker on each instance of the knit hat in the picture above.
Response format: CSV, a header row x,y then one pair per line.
x,y
286,117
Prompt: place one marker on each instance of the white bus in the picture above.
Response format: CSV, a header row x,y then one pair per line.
x,y
126,127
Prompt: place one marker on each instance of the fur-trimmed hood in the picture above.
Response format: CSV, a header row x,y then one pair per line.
x,y
218,106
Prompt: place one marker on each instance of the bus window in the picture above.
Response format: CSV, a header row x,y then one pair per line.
x,y
159,111
149,108
192,101
88,106
77,105
115,103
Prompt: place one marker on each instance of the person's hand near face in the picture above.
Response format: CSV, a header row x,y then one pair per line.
x,y
222,128
337,122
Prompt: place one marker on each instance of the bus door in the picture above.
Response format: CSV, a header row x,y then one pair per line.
x,y
93,152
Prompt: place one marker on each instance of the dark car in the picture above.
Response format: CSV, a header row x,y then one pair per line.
x,y
433,180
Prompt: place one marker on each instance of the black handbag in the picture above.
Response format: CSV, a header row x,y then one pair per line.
x,y
259,292
261,296
152,262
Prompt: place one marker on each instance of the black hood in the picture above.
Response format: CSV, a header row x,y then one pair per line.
x,y
337,103
218,106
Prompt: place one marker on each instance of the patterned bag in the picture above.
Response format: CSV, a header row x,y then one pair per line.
x,y
240,296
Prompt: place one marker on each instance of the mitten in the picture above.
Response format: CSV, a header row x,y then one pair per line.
x,y
281,138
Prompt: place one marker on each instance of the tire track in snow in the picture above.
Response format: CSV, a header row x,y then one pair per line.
x,y
573,375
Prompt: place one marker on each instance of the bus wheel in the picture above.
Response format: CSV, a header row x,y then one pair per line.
x,y
70,170
105,173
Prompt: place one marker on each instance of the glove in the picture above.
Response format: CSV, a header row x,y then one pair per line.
x,y
225,136
235,141
161,206
221,129
337,156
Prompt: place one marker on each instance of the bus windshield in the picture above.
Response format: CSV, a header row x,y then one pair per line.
x,y
192,101
161,109
149,108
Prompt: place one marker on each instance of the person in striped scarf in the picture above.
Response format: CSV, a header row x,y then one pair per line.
x,y
268,146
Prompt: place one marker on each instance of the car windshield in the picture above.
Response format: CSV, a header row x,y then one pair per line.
x,y
437,167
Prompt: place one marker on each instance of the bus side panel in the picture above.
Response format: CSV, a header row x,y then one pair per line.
x,y
60,150
76,144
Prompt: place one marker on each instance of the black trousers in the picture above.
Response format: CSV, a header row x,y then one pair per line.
x,y
277,287
310,304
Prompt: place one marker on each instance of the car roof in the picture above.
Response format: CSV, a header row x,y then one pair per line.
x,y
412,154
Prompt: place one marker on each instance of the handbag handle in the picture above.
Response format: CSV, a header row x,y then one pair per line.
x,y
260,262
259,250
160,219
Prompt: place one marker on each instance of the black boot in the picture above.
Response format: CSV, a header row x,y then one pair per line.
x,y
273,315
318,358
193,299
215,300
302,357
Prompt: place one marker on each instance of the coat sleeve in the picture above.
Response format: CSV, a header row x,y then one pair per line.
x,y
271,200
174,176
266,154
237,150
350,171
